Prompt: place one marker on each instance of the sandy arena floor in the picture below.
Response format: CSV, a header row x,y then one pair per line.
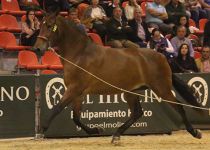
x,y
180,140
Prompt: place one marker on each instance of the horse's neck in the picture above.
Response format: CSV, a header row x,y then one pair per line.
x,y
73,43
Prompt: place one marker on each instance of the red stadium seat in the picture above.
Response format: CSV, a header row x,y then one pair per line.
x,y
197,40
197,54
28,60
9,23
202,23
51,60
11,7
192,22
81,9
143,7
124,4
46,71
9,43
96,38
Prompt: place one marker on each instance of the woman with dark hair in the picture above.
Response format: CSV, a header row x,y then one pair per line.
x,y
30,29
184,21
184,63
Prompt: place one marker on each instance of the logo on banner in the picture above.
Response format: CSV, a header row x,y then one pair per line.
x,y
54,91
200,89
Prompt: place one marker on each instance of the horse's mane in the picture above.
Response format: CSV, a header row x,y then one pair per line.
x,y
72,25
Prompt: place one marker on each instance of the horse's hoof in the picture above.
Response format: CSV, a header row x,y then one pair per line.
x,y
115,140
198,134
39,136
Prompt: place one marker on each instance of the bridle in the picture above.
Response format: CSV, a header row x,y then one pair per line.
x,y
43,38
54,28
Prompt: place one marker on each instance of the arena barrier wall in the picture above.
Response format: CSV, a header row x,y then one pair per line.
x,y
17,106
23,116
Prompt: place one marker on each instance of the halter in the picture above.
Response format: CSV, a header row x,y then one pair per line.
x,y
43,38
55,27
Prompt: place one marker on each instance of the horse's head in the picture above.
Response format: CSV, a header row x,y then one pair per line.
x,y
48,34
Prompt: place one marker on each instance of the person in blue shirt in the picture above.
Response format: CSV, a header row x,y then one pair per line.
x,y
156,15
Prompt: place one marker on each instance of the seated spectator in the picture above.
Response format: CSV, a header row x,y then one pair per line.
x,y
203,63
175,9
206,34
187,8
184,63
206,6
118,30
184,21
73,16
111,6
74,3
181,38
129,9
156,15
55,5
140,34
98,17
160,43
30,29
196,10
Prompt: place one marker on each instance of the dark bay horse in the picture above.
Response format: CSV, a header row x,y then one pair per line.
x,y
129,68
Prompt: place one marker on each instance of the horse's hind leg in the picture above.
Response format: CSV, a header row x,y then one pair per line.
x,y
164,92
76,118
136,113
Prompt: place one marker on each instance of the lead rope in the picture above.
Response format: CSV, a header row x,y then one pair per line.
x,y
123,90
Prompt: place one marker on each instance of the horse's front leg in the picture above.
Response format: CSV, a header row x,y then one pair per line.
x,y
77,105
69,95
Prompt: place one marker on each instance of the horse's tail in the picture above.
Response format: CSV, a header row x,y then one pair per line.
x,y
184,90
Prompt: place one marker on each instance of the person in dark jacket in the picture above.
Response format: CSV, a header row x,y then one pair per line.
x,y
55,5
140,34
118,30
206,39
184,63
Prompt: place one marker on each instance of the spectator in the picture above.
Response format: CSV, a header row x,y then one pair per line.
x,y
187,8
181,38
206,38
175,9
156,15
184,21
111,6
73,16
140,34
184,63
55,5
118,30
197,11
129,9
97,15
74,3
206,5
203,63
160,43
30,29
